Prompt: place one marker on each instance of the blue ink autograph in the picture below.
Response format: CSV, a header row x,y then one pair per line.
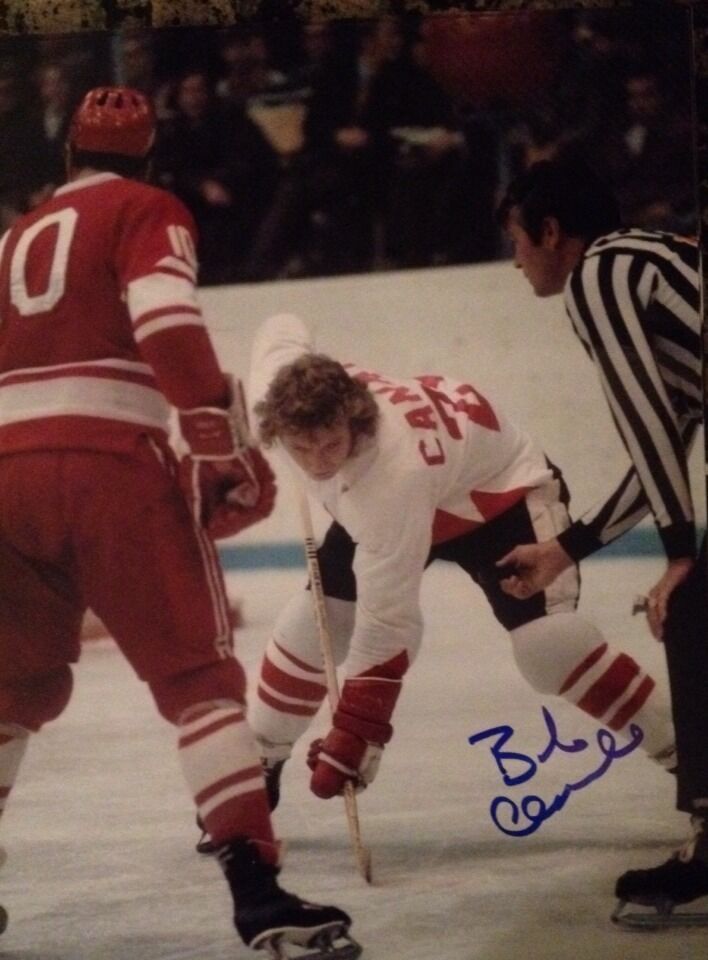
x,y
533,809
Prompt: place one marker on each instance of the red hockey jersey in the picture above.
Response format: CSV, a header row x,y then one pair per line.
x,y
100,327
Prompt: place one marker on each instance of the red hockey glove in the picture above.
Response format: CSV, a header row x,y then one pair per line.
x,y
342,756
360,728
227,496
228,482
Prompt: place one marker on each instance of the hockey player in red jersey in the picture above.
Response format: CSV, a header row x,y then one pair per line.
x,y
412,471
101,335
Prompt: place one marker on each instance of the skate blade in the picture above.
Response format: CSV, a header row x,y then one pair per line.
x,y
205,846
661,918
324,946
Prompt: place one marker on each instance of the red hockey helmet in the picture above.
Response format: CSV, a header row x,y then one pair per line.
x,y
113,120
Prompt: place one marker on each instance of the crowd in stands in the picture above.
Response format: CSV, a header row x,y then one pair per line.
x,y
308,149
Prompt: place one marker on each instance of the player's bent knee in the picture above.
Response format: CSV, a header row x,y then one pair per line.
x,y
549,649
295,629
33,702
220,680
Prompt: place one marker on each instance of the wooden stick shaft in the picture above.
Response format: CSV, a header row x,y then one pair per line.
x,y
362,855
318,600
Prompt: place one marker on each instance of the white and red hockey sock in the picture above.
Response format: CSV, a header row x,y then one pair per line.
x,y
289,694
292,682
565,655
13,744
221,765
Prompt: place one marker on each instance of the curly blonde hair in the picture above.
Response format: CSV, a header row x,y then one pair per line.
x,y
313,392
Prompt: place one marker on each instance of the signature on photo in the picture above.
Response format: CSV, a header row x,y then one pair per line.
x,y
521,818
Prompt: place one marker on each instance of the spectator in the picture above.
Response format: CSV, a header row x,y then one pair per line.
x,y
21,146
591,66
136,55
220,165
56,102
328,194
646,154
345,163
134,59
248,71
592,72
85,59
413,120
316,48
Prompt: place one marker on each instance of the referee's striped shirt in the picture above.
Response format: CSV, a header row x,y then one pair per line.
x,y
634,303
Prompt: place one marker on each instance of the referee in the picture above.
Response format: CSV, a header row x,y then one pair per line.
x,y
632,297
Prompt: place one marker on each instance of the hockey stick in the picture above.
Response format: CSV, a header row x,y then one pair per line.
x,y
3,911
361,854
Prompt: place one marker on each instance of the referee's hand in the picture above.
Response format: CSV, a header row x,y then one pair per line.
x,y
658,597
533,567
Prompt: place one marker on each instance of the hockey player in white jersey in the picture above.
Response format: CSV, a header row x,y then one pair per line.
x,y
410,471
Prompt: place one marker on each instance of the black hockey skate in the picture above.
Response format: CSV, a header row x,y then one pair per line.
x,y
664,887
272,770
266,917
205,844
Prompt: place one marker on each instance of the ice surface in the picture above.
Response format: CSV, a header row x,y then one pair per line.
x,y
100,829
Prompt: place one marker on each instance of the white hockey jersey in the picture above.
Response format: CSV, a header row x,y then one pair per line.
x,y
443,462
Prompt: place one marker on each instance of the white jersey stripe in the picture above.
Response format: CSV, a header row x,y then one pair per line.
x,y
112,363
167,323
103,397
180,266
292,701
160,292
230,793
220,606
286,665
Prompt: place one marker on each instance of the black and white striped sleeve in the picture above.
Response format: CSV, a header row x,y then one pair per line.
x,y
607,299
616,514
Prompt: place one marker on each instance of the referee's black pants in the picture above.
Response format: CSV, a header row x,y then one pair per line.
x,y
686,644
